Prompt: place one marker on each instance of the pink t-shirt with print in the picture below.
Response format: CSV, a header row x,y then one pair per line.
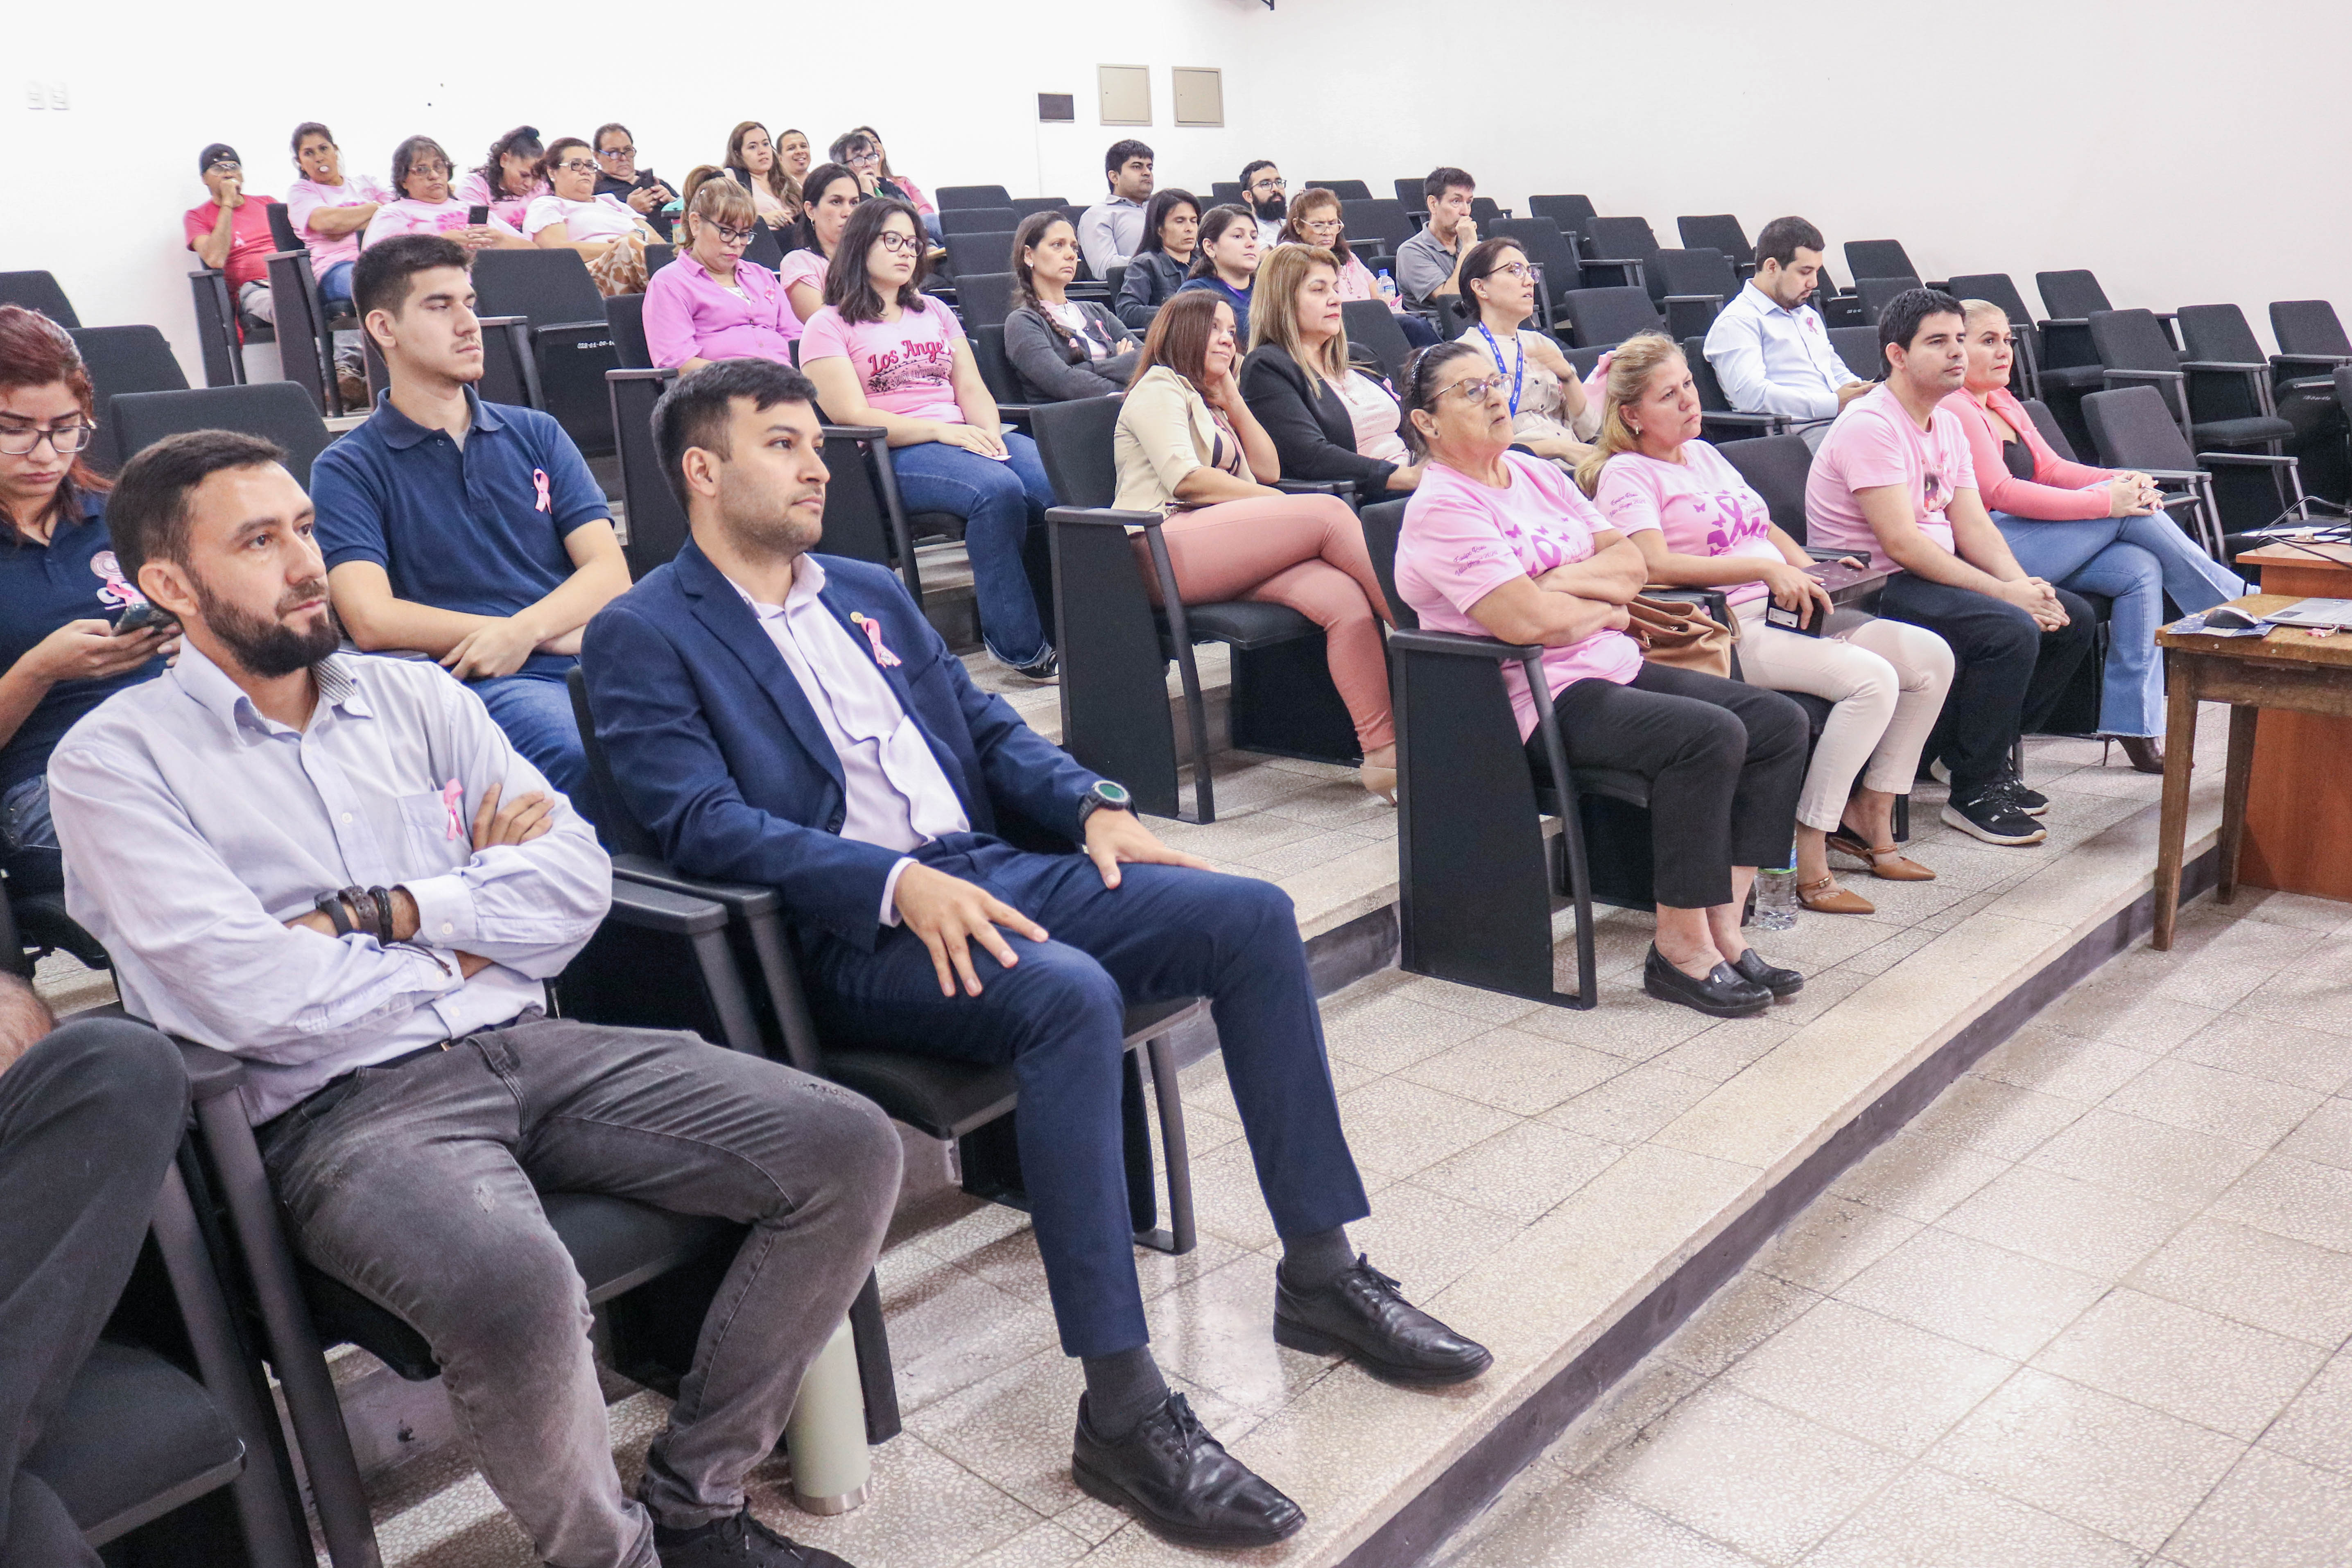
x,y
1462,540
1874,444
906,366
307,196
1701,504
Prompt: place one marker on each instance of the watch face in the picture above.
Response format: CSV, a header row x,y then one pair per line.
x,y
1111,793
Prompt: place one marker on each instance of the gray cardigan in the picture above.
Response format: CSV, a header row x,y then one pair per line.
x,y
1044,364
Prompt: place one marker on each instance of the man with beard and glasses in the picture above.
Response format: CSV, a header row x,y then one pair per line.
x,y
472,531
339,870
1262,189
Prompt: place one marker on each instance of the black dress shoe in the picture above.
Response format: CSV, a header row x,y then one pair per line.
x,y
738,1540
1724,992
1363,1314
1181,1481
1750,967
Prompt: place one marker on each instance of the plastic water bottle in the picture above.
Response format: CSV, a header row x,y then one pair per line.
x,y
1387,287
1776,897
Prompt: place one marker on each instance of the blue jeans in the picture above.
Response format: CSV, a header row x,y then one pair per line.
x,y
335,286
28,840
2135,562
535,710
1003,508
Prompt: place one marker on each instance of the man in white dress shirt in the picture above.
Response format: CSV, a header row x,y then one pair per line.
x,y
337,868
1769,351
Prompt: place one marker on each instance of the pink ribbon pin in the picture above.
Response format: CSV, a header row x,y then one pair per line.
x,y
453,800
538,480
873,630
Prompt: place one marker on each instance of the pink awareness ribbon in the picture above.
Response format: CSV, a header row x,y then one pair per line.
x,y
453,800
873,630
538,480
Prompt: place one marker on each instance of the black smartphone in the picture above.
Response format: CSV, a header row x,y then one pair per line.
x,y
1774,615
477,216
139,617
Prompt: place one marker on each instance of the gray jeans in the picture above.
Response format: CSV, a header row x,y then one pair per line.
x,y
418,1186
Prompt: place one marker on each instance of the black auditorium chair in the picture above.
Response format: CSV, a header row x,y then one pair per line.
x,y
1225,192
948,197
972,1104
1373,326
1628,245
1023,206
2311,346
983,298
1697,283
2070,299
2222,407
1345,190
624,318
571,346
220,336
2134,427
306,329
662,959
1719,421
1116,645
1876,293
1013,405
659,256
656,524
1721,231
987,251
1370,217
510,366
2034,376
38,290
1881,259
2311,338
278,410
1483,211
864,517
767,249
979,220
1601,318
1859,350
1572,212
120,359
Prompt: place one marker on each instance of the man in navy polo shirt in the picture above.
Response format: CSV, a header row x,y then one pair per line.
x,y
469,530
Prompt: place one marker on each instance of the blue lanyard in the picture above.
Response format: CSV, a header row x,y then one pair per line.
x,y
1518,375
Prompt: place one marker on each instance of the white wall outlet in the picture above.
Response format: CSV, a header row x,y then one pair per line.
x,y
57,99
37,95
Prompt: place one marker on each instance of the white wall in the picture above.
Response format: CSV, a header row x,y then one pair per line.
x,y
2186,153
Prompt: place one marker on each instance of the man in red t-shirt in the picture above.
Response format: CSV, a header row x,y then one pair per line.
x,y
231,231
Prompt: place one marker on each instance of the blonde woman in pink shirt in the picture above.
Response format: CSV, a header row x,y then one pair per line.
x,y
2094,531
1699,524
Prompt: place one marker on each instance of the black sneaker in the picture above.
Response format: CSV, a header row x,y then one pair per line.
x,y
1990,815
738,1540
1047,668
2031,802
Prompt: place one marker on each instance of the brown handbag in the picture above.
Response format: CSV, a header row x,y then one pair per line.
x,y
1681,634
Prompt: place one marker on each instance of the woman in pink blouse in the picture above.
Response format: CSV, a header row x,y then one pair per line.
x,y
2095,531
1699,524
1497,543
711,304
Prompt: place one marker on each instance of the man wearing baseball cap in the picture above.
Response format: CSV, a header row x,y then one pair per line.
x,y
230,230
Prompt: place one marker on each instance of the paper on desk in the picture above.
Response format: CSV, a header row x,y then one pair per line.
x,y
2195,624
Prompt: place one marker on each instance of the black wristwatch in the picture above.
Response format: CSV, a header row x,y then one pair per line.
x,y
1104,796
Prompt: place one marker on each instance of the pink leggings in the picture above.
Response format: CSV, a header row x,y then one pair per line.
x,y
1305,551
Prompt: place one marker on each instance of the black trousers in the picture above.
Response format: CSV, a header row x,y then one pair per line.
x,y
2009,674
1725,762
89,1119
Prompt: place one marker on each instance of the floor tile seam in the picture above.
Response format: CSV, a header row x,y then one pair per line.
x,y
2187,1218
2040,1345
2031,1365
1925,1463
2164,1547
2012,1362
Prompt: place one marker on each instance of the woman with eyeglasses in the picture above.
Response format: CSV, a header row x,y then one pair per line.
x,y
911,192
1188,446
832,195
61,589
511,178
1060,348
607,236
881,352
711,304
860,151
1224,262
420,173
1171,232
1500,544
1550,414
752,163
1315,221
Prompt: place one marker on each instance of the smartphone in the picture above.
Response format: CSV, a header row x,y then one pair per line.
x,y
139,617
1774,615
477,216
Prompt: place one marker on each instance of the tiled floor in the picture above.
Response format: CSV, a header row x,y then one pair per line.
x,y
2090,1308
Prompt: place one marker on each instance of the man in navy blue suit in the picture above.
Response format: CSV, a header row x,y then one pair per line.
x,y
778,717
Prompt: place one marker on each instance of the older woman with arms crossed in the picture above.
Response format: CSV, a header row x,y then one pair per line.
x,y
1550,414
2094,531
1189,446
1328,419
711,304
1171,232
1698,524
1061,349
1497,543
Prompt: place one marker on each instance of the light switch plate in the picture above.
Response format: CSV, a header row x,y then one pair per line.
x,y
57,99
37,95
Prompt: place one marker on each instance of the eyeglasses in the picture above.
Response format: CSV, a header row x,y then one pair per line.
x,y
618,153
1476,391
904,244
1319,223
731,236
65,440
1513,269
223,166
857,158
442,169
575,166
1270,185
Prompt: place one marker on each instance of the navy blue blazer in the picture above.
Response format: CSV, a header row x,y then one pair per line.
x,y
717,752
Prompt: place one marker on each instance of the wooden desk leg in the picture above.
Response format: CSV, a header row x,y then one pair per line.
x,y
2234,779
2180,758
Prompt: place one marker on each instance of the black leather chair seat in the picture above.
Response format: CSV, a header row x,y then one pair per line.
x,y
137,1438
2250,431
1245,624
41,920
2074,377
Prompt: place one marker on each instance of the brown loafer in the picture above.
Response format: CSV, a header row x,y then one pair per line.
x,y
1826,897
1884,860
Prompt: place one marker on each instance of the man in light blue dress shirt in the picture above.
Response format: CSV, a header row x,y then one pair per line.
x,y
339,868
1768,347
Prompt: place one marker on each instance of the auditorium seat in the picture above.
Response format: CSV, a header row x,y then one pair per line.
x,y
277,410
1722,232
120,359
38,292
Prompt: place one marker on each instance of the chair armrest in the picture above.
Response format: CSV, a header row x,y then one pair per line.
x,y
2185,476
2082,321
1694,300
2221,365
1093,288
1820,555
641,376
2245,460
211,1073
1103,517
1750,421
2308,385
854,433
1316,487
1013,412
743,898
1455,645
544,328
2159,375
761,910
648,908
2328,359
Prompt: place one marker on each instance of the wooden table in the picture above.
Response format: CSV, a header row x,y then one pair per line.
x,y
2291,673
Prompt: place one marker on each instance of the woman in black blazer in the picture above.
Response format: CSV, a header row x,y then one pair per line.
x,y
1328,420
1172,224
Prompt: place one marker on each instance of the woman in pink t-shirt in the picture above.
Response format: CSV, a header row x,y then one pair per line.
x,y
880,352
1699,524
832,194
420,173
1497,543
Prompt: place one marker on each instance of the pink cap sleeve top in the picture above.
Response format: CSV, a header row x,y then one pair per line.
x,y
689,315
2059,490
307,196
1463,539
1873,444
1701,505
906,366
807,267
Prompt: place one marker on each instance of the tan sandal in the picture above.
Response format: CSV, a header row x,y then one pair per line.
x,y
1826,897
1884,861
